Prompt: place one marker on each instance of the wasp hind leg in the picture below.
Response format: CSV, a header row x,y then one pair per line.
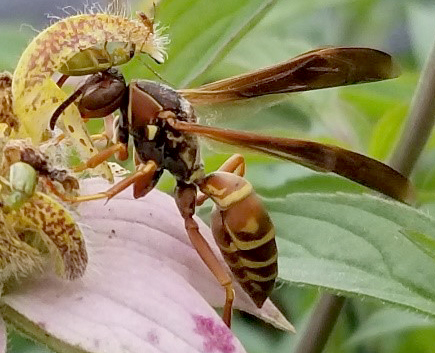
x,y
235,164
185,197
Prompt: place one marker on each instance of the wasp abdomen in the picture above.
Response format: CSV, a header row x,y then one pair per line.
x,y
244,233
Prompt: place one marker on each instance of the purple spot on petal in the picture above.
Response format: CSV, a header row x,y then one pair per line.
x,y
96,343
153,338
217,336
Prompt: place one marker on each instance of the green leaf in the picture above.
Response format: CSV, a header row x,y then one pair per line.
x,y
386,322
12,41
202,31
315,182
20,344
421,341
422,29
386,132
354,245
376,99
423,241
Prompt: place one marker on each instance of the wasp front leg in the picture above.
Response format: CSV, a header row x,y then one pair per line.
x,y
105,138
119,149
244,233
144,176
102,156
185,197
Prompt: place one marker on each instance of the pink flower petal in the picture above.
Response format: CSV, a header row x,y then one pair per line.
x,y
145,289
3,336
158,211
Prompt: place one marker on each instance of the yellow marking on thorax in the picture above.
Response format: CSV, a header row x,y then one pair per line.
x,y
152,131
250,244
234,196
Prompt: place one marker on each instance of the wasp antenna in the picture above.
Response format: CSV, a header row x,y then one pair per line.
x,y
155,72
60,82
65,104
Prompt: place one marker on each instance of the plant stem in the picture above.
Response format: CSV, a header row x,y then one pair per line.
x,y
420,121
415,134
321,323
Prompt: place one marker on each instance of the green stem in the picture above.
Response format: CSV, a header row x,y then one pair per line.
x,y
419,123
321,323
415,134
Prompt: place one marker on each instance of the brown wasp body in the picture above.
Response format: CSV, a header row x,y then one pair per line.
x,y
164,129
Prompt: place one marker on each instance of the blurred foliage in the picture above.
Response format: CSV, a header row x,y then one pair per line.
x,y
13,40
217,39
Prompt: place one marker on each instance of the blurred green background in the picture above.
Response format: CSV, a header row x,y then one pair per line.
x,y
212,40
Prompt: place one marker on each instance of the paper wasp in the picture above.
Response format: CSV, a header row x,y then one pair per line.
x,y
164,129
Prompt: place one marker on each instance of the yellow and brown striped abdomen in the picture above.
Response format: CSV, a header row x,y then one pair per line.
x,y
244,233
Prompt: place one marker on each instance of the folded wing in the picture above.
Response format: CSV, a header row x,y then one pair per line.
x,y
322,68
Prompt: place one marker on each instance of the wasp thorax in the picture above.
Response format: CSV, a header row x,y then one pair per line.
x,y
225,189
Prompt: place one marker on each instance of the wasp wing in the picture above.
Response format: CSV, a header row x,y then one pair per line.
x,y
322,68
320,157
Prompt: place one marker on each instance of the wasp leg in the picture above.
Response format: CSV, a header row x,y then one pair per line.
x,y
143,175
235,164
56,141
95,138
141,187
107,134
185,196
119,148
62,80
53,189
102,136
101,141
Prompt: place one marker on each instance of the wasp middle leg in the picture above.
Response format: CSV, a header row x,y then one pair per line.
x,y
185,197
